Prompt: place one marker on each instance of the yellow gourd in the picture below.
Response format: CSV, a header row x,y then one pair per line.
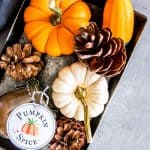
x,y
119,17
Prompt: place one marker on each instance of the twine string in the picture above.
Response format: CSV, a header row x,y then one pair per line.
x,y
44,98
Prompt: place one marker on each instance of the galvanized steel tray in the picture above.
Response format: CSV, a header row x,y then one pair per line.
x,y
14,34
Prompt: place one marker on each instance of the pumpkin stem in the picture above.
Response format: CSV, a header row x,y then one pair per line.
x,y
32,85
81,93
31,121
55,18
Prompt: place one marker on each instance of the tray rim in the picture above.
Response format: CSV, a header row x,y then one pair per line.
x,y
123,72
120,76
144,20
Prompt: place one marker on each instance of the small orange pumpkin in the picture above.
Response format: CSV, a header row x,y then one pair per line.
x,y
51,30
30,128
119,17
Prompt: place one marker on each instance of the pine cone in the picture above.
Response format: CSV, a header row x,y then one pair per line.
x,y
70,135
102,53
20,62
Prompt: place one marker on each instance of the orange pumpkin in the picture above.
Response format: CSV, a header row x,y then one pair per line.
x,y
30,128
52,31
119,17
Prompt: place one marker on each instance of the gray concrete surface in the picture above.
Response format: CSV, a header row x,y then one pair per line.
x,y
126,125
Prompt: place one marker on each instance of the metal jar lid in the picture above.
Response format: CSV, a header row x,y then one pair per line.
x,y
31,126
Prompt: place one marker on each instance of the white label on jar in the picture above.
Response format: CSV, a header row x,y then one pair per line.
x,y
31,126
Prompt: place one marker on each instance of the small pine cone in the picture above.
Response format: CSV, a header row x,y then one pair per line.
x,y
21,62
99,51
70,135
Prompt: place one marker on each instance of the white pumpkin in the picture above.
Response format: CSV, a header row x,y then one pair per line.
x,y
65,86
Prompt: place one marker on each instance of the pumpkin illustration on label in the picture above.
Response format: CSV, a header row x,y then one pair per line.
x,y
30,128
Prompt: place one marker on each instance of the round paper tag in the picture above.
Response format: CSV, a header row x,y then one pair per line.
x,y
31,126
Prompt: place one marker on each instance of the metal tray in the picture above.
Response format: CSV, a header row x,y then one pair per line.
x,y
15,34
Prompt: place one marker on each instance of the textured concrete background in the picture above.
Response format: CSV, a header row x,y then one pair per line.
x,y
126,125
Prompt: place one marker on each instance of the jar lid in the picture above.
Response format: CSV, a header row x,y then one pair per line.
x,y
31,126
